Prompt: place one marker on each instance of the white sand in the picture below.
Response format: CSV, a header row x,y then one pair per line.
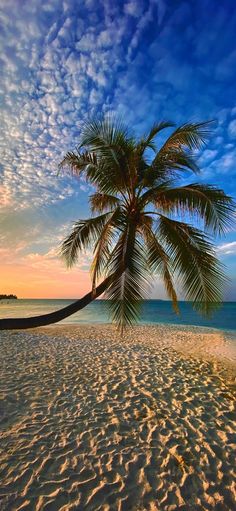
x,y
90,421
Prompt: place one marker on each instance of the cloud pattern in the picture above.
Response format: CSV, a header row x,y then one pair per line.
x,y
64,60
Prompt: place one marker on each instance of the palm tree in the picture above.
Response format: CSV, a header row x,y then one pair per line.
x,y
135,230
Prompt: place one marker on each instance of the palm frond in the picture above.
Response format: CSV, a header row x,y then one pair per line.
x,y
98,171
166,165
107,132
150,195
103,247
107,137
130,282
82,236
79,162
194,261
158,261
148,140
210,203
127,248
111,141
105,178
100,202
191,136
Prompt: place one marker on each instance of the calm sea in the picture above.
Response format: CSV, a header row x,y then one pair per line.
x,y
153,311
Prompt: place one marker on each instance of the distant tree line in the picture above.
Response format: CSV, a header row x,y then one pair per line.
x,y
8,297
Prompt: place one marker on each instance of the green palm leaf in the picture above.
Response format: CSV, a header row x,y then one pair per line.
x,y
79,162
103,247
110,139
84,234
134,237
99,134
210,203
130,282
100,202
194,261
191,135
148,140
159,262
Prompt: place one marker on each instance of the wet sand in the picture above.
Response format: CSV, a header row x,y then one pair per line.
x,y
90,421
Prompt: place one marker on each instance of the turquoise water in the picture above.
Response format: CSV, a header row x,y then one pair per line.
x,y
153,311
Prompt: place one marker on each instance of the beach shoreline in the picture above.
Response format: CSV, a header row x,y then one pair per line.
x,y
95,422
212,345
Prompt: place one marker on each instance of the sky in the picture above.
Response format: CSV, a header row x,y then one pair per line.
x,y
63,61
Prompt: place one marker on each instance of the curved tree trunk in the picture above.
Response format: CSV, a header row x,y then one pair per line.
x,y
53,317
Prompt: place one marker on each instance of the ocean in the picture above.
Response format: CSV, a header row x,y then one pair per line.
x,y
153,312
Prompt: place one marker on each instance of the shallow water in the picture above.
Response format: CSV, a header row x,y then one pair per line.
x,y
153,311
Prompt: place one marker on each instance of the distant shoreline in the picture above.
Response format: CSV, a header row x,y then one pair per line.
x,y
8,297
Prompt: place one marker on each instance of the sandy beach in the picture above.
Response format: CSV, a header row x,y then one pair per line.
x,y
92,421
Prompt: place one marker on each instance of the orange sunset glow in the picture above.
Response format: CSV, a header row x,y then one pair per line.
x,y
42,276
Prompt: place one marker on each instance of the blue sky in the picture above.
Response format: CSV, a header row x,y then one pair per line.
x,y
62,61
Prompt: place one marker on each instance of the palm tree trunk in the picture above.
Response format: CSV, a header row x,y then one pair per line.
x,y
54,317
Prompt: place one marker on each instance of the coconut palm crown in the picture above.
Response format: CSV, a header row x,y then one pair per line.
x,y
137,228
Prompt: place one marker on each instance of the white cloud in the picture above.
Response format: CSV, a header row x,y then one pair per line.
x,y
47,71
207,155
142,24
226,164
106,38
227,161
232,129
133,8
227,248
60,65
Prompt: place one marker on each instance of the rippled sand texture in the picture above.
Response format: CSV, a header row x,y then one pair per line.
x,y
93,422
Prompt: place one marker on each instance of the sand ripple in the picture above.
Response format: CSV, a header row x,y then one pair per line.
x,y
92,422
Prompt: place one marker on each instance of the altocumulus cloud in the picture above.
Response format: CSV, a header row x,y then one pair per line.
x,y
64,60
227,248
59,64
